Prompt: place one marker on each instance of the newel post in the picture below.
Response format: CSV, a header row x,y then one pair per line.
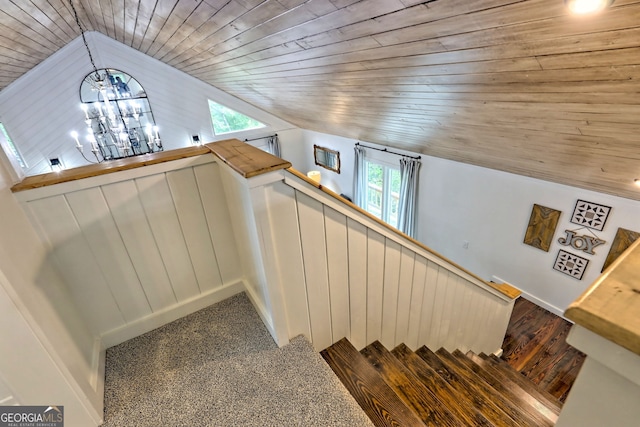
x,y
247,174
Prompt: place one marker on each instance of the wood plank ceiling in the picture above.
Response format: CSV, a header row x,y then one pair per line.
x,y
518,86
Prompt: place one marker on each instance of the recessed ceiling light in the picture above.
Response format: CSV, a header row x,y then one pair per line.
x,y
637,182
583,7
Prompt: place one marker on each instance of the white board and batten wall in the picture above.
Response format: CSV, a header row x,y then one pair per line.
x,y
343,275
490,210
42,107
142,247
48,353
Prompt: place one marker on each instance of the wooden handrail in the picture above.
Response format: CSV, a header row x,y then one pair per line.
x,y
82,172
503,288
245,159
610,306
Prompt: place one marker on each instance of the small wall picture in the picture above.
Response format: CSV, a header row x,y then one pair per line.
x,y
570,264
624,238
589,214
542,226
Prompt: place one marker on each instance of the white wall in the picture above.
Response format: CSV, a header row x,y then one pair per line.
x,y
41,108
341,274
37,289
142,247
490,210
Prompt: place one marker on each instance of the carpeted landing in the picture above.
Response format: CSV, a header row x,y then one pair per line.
x,y
220,367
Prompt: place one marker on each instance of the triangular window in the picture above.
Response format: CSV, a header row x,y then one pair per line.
x,y
226,120
10,148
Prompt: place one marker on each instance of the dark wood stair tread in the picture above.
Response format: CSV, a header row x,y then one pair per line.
x,y
422,400
372,393
468,383
511,374
514,394
465,408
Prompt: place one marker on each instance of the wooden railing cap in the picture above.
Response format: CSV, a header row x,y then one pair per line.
x,y
611,305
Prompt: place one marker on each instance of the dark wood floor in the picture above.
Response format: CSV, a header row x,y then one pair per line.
x,y
535,345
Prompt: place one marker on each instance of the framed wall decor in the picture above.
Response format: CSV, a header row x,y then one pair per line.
x,y
327,158
570,264
624,238
589,214
542,226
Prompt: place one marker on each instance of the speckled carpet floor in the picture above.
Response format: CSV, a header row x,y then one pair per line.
x,y
220,367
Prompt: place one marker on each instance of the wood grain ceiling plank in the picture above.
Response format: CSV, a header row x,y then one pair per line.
x,y
52,19
32,37
93,11
161,13
545,98
344,80
426,14
287,19
175,19
255,12
258,18
199,42
27,14
614,57
144,14
387,68
129,15
363,10
613,40
185,19
32,53
118,8
63,9
106,12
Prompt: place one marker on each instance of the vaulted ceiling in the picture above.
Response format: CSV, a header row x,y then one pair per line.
x,y
518,86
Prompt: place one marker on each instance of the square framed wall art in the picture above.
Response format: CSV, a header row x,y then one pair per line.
x,y
589,214
570,264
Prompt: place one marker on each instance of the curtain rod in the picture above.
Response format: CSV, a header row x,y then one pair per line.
x,y
389,151
262,137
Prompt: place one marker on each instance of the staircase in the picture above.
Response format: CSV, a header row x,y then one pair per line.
x,y
406,388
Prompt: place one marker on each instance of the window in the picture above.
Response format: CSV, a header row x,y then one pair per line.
x,y
10,148
226,120
383,190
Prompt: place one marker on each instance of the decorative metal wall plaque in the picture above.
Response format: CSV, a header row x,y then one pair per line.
x,y
624,238
542,226
570,264
582,243
589,214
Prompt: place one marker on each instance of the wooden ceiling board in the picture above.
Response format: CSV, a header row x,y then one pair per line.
x,y
515,85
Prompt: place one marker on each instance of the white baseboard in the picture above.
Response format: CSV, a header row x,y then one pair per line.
x,y
169,314
545,305
552,308
264,314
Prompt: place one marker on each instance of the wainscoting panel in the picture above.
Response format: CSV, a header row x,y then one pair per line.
x,y
313,236
193,223
128,213
142,251
77,263
367,283
356,247
90,209
338,271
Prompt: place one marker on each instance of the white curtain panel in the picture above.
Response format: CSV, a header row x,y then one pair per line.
x,y
409,173
360,178
274,145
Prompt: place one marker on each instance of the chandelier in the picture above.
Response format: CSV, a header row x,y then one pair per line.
x,y
117,113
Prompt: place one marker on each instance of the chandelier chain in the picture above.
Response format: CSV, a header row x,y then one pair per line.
x,y
84,39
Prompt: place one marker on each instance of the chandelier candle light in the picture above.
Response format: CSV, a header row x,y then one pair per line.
x,y
116,112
